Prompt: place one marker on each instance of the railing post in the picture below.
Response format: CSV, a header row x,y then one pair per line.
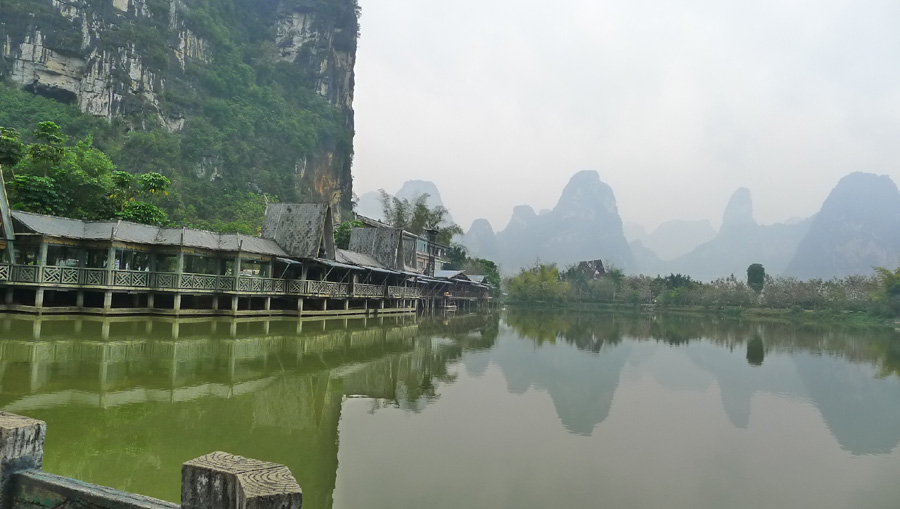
x,y
223,481
21,448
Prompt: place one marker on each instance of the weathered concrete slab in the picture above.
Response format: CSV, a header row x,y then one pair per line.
x,y
34,489
224,481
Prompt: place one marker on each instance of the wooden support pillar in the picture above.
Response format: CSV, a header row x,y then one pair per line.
x,y
234,303
107,300
177,305
79,298
268,303
39,298
151,300
21,448
324,304
223,481
9,295
346,304
300,305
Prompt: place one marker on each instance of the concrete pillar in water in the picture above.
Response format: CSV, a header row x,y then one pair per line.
x,y
177,305
223,481
39,298
107,301
346,304
9,296
268,301
79,299
300,305
234,303
151,301
21,448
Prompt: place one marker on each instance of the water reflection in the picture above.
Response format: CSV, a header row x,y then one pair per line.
x,y
128,400
850,376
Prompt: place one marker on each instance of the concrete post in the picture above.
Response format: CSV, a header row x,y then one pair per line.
x,y
300,305
177,304
9,295
107,300
39,298
346,304
151,298
223,481
21,448
79,299
268,303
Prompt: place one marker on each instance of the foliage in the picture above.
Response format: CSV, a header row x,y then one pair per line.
x,y
251,120
143,212
11,149
540,283
342,233
875,295
416,217
756,277
80,181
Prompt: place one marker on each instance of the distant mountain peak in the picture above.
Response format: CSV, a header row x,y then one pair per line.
x,y
481,226
857,228
587,194
739,210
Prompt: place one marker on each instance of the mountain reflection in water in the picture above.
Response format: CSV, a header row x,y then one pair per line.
x,y
128,400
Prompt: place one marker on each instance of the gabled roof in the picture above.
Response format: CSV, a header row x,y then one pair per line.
x,y
452,274
354,258
380,244
303,230
477,279
125,231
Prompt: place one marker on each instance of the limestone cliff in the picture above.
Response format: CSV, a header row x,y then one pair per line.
x,y
164,64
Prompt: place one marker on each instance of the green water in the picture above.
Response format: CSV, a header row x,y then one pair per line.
x,y
520,410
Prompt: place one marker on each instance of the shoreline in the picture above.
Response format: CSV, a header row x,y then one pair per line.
x,y
856,319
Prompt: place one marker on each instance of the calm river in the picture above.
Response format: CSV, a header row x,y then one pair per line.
x,y
518,410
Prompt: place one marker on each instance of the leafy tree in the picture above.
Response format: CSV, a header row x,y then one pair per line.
x,y
537,284
11,149
342,233
78,181
888,288
756,277
143,212
416,217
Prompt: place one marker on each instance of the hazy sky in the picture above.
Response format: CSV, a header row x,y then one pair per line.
x,y
674,103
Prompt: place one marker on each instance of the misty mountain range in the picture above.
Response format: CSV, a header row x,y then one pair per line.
x,y
858,227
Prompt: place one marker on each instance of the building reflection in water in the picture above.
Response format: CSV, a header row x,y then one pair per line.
x,y
128,400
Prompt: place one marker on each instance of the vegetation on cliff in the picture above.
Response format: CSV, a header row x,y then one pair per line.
x,y
232,128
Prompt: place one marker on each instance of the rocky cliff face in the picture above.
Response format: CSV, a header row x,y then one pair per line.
x,y
146,61
857,228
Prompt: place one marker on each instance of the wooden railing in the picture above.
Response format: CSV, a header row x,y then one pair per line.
x,y
68,277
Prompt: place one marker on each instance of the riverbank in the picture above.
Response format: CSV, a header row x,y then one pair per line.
x,y
793,316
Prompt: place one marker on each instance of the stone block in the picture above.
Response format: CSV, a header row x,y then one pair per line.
x,y
224,481
21,448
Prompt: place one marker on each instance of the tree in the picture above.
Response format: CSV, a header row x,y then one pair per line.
x,y
342,233
415,217
11,149
756,277
77,181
